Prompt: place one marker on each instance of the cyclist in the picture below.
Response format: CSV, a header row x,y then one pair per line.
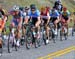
x,y
16,17
54,18
34,16
45,17
65,17
25,18
25,14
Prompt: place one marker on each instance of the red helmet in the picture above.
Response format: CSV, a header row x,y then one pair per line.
x,y
64,8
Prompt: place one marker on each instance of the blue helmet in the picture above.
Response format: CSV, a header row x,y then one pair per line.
x,y
32,6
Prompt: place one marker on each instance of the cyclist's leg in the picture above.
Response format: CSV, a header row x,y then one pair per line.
x,y
65,26
34,20
37,24
56,21
13,23
46,27
67,22
26,21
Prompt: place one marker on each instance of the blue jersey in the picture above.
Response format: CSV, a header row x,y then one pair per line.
x,y
36,14
54,14
17,16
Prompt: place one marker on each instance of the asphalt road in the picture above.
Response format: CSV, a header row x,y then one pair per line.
x,y
35,53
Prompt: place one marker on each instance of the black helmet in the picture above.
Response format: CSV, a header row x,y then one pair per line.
x,y
27,7
57,3
21,8
32,6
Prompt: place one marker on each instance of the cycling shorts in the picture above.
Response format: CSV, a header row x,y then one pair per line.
x,y
15,22
34,20
53,19
45,21
65,18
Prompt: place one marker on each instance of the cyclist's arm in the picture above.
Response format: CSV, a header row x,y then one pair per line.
x,y
5,18
48,18
58,15
58,18
21,18
38,17
38,22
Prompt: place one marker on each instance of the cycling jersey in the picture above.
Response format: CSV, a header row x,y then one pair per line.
x,y
44,17
66,14
23,14
16,18
2,23
35,15
54,14
44,14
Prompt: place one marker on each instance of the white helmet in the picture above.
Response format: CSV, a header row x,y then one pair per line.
x,y
15,8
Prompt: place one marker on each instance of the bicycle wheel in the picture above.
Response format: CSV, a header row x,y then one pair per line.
x,y
28,40
61,34
8,44
52,36
72,31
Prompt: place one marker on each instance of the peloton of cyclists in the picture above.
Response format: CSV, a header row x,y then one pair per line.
x,y
32,13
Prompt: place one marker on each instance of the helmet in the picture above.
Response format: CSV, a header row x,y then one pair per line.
x,y
64,8
27,7
43,8
21,8
56,3
16,8
32,6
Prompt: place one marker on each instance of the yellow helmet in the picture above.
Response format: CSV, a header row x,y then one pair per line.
x,y
43,8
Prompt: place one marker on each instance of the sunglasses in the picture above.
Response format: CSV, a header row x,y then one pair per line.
x,y
26,9
33,10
